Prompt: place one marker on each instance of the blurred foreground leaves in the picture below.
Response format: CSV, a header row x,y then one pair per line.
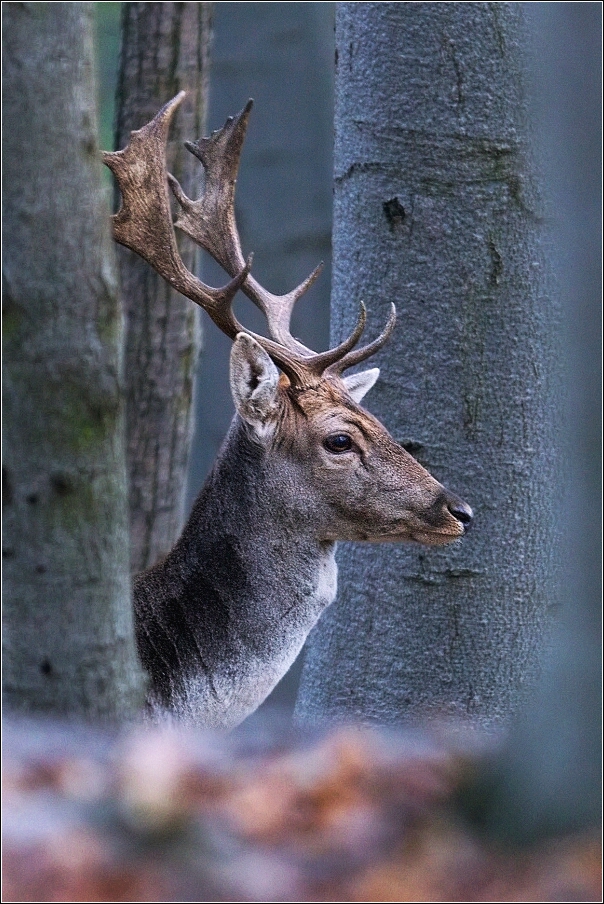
x,y
150,815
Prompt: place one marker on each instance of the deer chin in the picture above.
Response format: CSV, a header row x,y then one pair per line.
x,y
425,534
402,532
436,538
425,537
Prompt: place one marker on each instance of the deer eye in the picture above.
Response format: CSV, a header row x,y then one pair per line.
x,y
338,442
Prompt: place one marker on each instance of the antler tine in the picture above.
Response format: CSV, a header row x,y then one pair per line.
x,y
322,362
144,221
305,371
361,354
210,222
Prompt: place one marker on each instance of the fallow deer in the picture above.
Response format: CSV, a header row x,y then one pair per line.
x,y
221,619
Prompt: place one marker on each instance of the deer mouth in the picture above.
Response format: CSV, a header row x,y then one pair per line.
x,y
412,529
438,538
425,536
453,528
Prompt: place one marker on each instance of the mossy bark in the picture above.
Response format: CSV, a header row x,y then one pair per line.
x,y
436,208
68,633
164,50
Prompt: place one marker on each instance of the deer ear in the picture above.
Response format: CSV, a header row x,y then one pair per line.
x,y
254,380
358,385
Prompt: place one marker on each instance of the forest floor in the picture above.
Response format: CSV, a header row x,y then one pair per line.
x,y
350,815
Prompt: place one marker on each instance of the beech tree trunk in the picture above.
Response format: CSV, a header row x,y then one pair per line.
x,y
548,779
164,50
436,209
68,636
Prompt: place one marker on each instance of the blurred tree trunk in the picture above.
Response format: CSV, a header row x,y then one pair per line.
x,y
435,208
68,635
548,779
164,50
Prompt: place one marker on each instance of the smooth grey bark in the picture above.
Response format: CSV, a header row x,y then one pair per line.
x,y
436,209
68,637
164,50
548,779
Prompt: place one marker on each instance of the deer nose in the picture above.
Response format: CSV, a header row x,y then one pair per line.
x,y
462,512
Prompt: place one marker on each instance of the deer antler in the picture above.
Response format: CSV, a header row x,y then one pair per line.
x,y
144,221
144,224
220,154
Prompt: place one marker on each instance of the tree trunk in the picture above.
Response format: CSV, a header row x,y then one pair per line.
x,y
548,779
164,50
436,209
68,634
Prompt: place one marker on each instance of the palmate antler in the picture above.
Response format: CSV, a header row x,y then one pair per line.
x,y
144,224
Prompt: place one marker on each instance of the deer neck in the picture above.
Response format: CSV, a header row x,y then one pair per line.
x,y
223,617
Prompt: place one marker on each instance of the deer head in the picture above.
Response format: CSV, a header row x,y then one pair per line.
x,y
298,405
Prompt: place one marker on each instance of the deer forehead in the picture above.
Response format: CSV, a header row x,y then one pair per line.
x,y
327,408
